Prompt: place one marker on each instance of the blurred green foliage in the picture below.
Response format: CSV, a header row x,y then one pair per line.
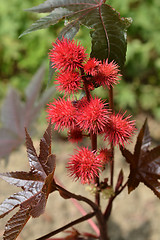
x,y
20,58
140,88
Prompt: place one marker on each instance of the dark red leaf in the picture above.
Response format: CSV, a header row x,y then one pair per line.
x,y
45,151
146,138
38,204
150,170
34,162
12,113
49,185
51,163
119,181
144,163
37,184
15,225
21,179
8,142
108,29
17,114
127,154
15,200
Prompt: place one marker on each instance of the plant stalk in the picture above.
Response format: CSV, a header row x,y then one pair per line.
x,y
110,202
79,220
111,106
94,148
109,207
93,137
94,206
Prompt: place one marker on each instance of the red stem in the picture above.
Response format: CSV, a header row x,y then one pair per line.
x,y
109,207
82,211
79,220
94,206
94,148
88,95
93,136
111,106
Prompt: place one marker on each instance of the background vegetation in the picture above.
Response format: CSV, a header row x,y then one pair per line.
x,y
140,87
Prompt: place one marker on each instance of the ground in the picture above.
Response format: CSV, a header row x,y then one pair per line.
x,y
135,216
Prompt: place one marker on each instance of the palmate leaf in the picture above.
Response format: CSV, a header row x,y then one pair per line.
x,y
108,29
36,186
144,163
17,114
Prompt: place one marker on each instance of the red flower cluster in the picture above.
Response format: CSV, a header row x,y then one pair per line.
x,y
69,57
88,115
93,117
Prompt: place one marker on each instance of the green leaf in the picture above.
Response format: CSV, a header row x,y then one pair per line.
x,y
108,35
108,30
50,5
70,30
51,19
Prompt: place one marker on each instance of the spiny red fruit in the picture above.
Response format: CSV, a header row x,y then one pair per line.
x,y
69,82
93,116
75,135
62,113
119,129
84,165
67,54
91,66
105,155
108,74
